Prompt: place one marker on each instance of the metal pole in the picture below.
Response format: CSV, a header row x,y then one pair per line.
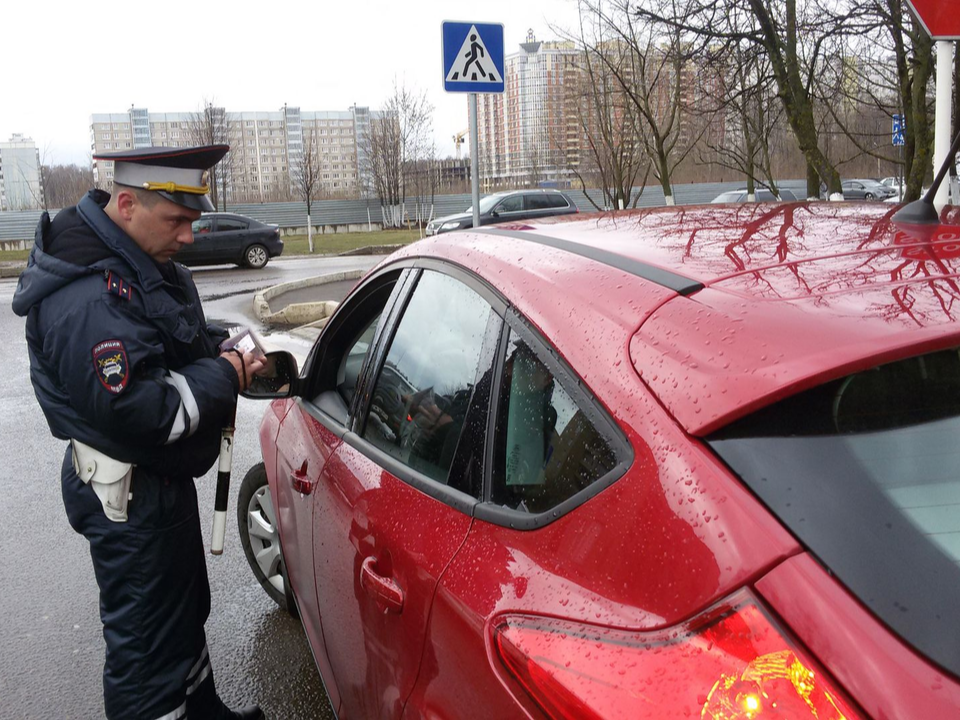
x,y
941,137
475,160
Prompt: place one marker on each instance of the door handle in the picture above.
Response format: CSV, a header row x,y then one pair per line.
x,y
384,590
299,480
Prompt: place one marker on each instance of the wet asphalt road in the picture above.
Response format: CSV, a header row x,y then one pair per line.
x,y
50,631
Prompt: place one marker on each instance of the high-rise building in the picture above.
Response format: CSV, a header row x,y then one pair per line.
x,y
529,134
21,182
266,147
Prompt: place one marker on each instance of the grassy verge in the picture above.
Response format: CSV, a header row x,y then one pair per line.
x,y
330,244
333,243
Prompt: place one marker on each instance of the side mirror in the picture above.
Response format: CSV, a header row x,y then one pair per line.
x,y
494,213
277,380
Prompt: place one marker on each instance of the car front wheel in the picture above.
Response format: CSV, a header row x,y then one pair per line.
x,y
256,256
868,196
260,537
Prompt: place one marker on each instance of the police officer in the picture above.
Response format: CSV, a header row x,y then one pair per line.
x,y
127,371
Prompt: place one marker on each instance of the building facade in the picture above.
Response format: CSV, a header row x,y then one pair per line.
x,y
21,181
266,147
529,135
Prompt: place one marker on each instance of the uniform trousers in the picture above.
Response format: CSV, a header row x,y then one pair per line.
x,y
154,597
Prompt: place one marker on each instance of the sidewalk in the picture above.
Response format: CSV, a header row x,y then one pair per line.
x,y
295,306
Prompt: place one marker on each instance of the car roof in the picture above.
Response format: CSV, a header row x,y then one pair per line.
x,y
723,309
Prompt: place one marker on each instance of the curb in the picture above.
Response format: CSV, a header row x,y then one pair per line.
x,y
12,271
371,250
299,313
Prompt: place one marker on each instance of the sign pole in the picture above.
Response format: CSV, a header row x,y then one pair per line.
x,y
474,160
473,62
941,135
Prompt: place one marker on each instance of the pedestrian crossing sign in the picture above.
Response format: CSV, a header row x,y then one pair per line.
x,y
472,57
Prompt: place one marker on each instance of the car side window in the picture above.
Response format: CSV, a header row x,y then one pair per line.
x,y
423,392
514,203
202,226
228,225
537,201
348,374
546,448
339,356
557,201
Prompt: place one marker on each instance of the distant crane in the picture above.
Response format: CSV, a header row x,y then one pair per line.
x,y
458,140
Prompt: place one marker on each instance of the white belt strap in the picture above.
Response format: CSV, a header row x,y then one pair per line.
x,y
109,478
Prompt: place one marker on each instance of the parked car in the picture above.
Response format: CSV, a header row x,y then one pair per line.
x,y
507,206
865,189
761,195
654,465
220,238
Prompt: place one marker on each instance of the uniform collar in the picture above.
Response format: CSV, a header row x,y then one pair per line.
x,y
91,210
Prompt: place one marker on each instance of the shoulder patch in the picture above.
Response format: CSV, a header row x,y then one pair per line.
x,y
111,366
116,285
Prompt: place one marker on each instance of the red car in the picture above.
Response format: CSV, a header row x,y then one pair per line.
x,y
687,462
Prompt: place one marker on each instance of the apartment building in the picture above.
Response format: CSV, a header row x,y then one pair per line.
x,y
529,134
21,182
266,147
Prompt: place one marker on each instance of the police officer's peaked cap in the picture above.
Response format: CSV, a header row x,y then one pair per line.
x,y
178,174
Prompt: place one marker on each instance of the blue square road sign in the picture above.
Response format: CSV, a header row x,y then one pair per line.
x,y
472,57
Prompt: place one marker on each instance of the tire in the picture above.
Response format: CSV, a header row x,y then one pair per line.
x,y
868,196
256,257
260,538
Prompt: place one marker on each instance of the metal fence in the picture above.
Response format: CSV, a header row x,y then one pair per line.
x,y
21,225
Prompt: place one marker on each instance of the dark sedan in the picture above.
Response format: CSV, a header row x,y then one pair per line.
x,y
220,238
511,205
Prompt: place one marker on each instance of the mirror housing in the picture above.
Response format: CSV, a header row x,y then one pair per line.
x,y
279,379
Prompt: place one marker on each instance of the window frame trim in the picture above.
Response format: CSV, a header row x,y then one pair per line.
x,y
574,386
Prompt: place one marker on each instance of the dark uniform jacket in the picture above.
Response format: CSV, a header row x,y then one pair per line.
x,y
121,357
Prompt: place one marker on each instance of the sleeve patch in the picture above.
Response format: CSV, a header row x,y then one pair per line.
x,y
111,366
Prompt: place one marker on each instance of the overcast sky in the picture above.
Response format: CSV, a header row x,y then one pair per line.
x,y
69,60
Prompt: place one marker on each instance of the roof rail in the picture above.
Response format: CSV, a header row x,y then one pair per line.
x,y
665,278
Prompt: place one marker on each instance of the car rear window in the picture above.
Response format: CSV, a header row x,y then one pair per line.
x,y
546,449
537,202
557,201
865,471
225,225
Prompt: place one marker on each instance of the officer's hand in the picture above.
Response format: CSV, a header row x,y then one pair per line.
x,y
246,366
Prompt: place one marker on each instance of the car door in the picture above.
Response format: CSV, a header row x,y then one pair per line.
x,y
390,513
227,240
853,190
198,250
510,208
311,432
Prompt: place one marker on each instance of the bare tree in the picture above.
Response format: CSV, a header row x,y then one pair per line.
x,y
400,135
613,155
744,105
796,38
209,126
652,65
305,174
423,179
65,185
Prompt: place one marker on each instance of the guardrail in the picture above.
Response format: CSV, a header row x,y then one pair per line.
x,y
17,228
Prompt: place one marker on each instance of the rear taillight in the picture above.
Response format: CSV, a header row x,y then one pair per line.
x,y
731,662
